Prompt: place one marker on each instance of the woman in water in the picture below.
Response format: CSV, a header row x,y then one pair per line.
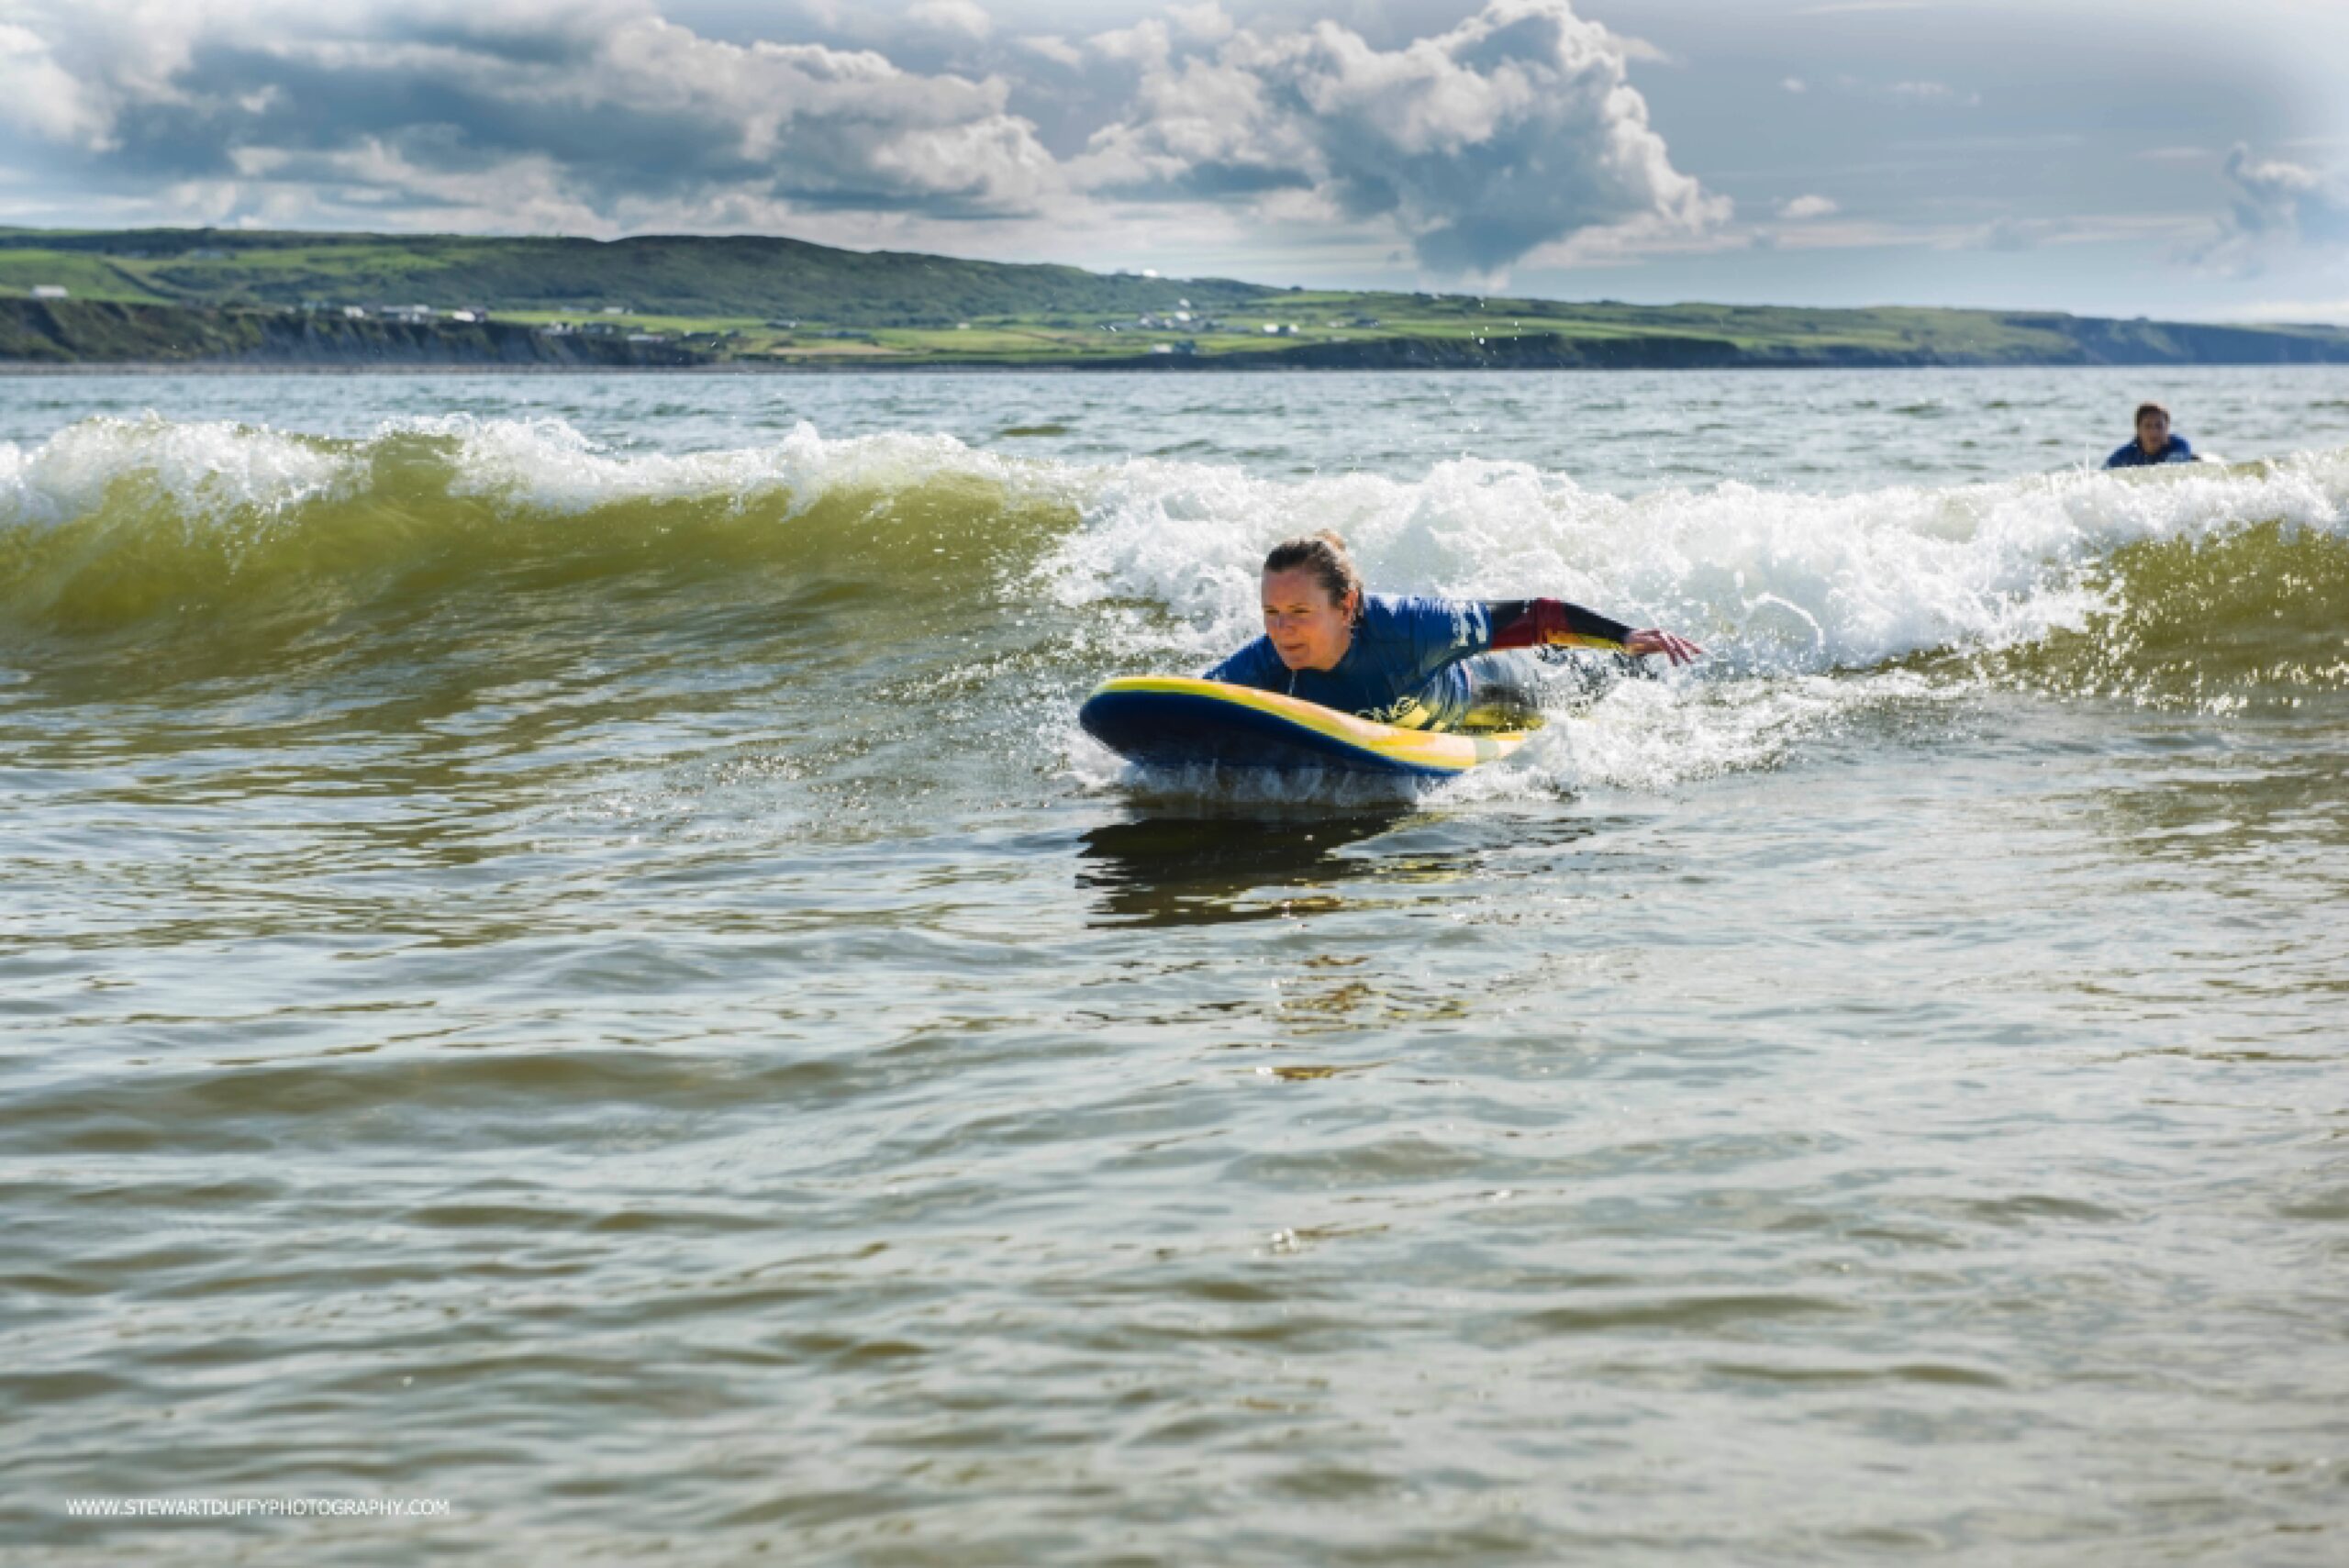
x,y
2154,443
1418,662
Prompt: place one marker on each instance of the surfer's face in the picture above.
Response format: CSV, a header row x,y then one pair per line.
x,y
1308,629
2153,432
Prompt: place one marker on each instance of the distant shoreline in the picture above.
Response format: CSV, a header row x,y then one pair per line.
x,y
1233,365
216,303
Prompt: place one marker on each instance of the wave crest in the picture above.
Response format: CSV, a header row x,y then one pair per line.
x,y
2211,586
130,527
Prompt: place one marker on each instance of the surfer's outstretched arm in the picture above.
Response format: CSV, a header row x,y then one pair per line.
x,y
1528,623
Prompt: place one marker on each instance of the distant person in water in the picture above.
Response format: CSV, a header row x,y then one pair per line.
x,y
1421,663
2154,443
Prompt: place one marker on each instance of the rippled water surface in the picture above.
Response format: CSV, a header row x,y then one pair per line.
x,y
561,954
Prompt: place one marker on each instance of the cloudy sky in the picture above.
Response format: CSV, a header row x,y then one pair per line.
x,y
2120,157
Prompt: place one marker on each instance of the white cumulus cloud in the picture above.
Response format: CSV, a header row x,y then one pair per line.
x,y
2276,197
1515,128
958,16
39,95
585,109
2274,206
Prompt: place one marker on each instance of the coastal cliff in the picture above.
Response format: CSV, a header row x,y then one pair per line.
x,y
97,332
260,299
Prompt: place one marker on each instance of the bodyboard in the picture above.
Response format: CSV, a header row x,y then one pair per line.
x,y
1175,722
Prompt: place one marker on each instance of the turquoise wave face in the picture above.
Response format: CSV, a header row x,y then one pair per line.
x,y
153,547
2254,619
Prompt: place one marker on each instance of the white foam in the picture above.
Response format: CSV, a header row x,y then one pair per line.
x,y
209,470
206,471
547,465
1772,583
1647,736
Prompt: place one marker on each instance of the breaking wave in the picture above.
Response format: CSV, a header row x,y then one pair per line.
x,y
132,545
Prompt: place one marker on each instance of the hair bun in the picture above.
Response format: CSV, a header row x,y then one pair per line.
x,y
1324,555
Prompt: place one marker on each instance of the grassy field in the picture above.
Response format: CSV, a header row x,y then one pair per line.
x,y
773,301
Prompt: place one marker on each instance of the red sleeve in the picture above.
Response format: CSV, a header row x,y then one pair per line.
x,y
1528,623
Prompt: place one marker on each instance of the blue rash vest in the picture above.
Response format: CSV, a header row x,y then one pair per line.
x,y
1405,663
2133,456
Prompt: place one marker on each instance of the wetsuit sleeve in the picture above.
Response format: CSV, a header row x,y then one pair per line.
x,y
1529,623
1420,637
1255,665
2178,450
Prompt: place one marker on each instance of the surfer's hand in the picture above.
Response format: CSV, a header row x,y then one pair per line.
x,y
1679,650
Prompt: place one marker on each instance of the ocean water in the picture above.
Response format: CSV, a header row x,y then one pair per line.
x,y
563,964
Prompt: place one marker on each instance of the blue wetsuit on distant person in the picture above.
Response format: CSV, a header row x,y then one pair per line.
x,y
1414,662
2133,456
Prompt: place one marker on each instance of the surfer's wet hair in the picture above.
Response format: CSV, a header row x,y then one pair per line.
x,y
1324,555
2145,408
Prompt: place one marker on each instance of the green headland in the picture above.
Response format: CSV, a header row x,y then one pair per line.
x,y
258,298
